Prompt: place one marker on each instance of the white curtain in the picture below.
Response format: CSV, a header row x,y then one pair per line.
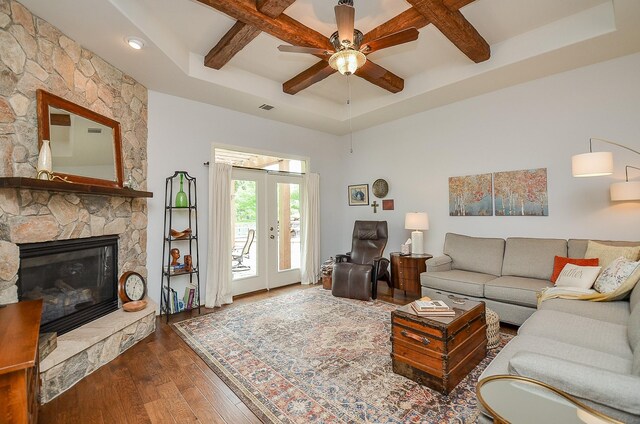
x,y
220,236
310,215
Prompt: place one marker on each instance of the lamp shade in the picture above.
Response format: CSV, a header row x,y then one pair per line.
x,y
416,221
347,61
592,164
625,191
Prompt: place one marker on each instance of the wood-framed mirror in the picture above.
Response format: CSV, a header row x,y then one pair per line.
x,y
86,147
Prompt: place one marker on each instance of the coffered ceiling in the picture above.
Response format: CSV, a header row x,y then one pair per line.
x,y
528,39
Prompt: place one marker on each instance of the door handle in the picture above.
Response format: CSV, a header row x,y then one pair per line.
x,y
272,236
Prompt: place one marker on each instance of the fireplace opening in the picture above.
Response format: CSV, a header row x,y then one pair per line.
x,y
77,280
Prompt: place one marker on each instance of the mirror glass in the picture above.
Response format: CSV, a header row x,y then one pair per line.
x,y
80,146
85,146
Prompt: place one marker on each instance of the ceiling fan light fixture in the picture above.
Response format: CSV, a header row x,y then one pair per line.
x,y
347,61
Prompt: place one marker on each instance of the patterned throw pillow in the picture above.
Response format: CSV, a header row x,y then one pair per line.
x,y
576,276
615,274
607,253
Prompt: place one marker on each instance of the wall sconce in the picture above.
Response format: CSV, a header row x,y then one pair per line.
x,y
594,164
626,190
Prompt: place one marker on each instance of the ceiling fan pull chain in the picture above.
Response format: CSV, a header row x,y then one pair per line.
x,y
350,126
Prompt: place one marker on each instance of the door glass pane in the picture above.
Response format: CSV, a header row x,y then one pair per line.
x,y
244,218
288,226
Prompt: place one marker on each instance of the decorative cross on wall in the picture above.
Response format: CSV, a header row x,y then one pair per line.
x,y
375,206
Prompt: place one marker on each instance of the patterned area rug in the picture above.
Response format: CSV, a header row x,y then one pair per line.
x,y
309,357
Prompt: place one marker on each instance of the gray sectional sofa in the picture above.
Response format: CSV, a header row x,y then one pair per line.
x,y
591,350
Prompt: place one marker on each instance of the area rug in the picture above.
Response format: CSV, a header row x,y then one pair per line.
x,y
309,357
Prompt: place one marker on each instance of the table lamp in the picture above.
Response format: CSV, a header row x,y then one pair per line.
x,y
416,221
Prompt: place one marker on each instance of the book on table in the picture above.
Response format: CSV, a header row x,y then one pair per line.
x,y
430,305
433,313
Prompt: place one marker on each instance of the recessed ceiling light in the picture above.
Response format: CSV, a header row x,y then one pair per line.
x,y
135,42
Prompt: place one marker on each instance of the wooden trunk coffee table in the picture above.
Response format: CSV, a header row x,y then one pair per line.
x,y
438,352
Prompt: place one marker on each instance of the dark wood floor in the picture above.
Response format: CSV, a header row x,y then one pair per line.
x,y
161,380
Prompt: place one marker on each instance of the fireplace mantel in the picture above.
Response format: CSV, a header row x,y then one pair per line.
x,y
58,186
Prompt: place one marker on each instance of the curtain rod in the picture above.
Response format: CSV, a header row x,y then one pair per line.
x,y
268,171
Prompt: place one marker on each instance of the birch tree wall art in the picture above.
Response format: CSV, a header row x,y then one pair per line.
x,y
470,195
521,193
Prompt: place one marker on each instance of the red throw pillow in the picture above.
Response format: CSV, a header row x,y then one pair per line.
x,y
559,262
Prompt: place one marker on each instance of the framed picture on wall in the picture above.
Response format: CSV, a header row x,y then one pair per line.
x,y
358,194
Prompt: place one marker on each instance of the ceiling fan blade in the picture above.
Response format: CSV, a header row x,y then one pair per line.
x,y
400,37
345,17
381,77
298,49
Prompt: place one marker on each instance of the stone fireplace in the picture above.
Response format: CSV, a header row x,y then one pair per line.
x,y
76,279
36,55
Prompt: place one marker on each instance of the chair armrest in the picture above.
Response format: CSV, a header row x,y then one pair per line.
x,y
381,265
343,257
598,385
439,263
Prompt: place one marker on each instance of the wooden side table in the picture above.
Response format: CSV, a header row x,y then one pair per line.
x,y
19,378
405,271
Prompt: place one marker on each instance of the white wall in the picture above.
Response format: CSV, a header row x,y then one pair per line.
x,y
180,136
538,124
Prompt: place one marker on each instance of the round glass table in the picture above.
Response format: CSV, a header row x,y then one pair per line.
x,y
522,400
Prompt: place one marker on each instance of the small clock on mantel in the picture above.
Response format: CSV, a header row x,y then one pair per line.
x,y
132,289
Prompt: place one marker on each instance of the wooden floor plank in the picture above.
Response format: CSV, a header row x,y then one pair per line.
x,y
204,411
159,412
180,409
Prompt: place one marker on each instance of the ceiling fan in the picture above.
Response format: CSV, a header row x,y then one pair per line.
x,y
350,53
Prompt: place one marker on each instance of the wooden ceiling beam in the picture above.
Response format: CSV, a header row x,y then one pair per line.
x,y
241,34
283,27
231,43
455,27
308,77
410,18
273,8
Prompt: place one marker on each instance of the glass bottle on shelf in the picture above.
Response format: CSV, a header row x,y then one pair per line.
x,y
181,196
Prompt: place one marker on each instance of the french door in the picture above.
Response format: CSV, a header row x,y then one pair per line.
x,y
266,226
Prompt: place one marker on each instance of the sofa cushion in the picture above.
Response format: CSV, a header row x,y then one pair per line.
x,y
579,331
518,290
532,257
634,300
475,254
578,247
616,390
636,361
613,312
557,349
633,328
456,281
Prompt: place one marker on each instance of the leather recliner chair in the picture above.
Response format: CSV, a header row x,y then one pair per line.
x,y
356,274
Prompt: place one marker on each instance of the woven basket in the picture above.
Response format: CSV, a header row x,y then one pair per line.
x,y
493,329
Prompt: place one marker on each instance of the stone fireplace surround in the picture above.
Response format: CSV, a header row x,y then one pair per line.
x,y
34,54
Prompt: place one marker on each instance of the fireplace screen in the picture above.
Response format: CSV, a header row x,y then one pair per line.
x,y
77,280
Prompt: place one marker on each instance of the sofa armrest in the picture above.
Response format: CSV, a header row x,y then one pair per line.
x,y
598,385
439,263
